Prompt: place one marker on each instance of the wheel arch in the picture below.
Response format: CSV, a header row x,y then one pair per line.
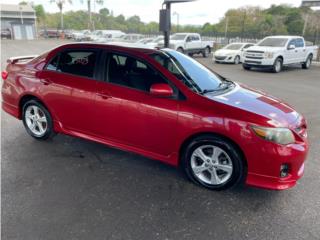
x,y
188,140
27,97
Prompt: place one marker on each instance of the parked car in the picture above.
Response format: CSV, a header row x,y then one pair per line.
x,y
130,37
161,104
276,51
190,43
156,42
6,33
50,33
109,36
81,35
145,40
232,53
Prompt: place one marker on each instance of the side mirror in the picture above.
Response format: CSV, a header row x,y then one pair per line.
x,y
291,47
161,90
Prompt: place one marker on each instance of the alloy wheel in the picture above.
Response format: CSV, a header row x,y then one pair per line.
x,y
36,120
211,165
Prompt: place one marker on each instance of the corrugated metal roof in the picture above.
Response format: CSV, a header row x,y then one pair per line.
x,y
16,8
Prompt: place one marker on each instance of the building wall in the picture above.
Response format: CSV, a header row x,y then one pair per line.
x,y
18,30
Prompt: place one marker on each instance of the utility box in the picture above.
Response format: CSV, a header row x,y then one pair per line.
x,y
165,20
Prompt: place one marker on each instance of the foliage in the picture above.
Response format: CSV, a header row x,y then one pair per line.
x,y
244,21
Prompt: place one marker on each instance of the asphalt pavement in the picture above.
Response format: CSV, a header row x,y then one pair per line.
x,y
69,188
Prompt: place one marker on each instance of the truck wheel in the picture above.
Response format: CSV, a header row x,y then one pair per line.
x,y
307,63
237,60
206,52
277,65
180,49
246,67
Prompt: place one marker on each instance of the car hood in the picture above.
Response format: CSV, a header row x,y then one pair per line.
x,y
264,49
224,52
277,112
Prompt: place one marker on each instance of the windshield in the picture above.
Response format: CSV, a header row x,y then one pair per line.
x,y
178,37
234,46
193,74
273,42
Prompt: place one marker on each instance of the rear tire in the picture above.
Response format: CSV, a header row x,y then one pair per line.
x,y
277,65
206,52
307,63
212,162
180,49
37,120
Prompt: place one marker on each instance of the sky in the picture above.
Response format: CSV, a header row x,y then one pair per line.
x,y
196,13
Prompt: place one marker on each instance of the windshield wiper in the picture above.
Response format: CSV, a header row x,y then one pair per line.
x,y
225,84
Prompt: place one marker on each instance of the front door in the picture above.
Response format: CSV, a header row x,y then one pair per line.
x,y
139,119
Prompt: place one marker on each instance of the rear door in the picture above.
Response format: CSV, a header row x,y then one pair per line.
x,y
69,88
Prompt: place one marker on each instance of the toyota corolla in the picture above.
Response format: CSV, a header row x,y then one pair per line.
x,y
161,104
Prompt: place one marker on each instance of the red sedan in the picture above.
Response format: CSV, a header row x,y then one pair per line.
x,y
161,104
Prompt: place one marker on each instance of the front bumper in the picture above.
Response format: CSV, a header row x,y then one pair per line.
x,y
258,62
264,164
224,59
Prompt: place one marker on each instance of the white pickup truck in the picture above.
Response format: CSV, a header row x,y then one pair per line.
x,y
190,43
275,51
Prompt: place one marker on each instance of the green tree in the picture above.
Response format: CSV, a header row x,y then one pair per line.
x,y
40,13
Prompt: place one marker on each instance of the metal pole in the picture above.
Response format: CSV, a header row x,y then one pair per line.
x,y
167,33
21,18
226,28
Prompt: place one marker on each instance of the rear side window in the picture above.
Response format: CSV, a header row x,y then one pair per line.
x,y
76,62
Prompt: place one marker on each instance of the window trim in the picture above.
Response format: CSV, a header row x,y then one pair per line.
x,y
97,67
178,95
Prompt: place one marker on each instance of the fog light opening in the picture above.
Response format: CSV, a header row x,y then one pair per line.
x,y
284,170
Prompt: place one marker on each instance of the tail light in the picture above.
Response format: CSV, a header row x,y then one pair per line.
x,y
4,75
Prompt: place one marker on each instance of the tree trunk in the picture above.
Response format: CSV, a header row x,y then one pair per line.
x,y
90,14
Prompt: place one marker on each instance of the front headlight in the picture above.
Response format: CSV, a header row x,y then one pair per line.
x,y
278,135
268,54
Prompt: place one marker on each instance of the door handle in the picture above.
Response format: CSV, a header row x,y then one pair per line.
x,y
104,95
45,81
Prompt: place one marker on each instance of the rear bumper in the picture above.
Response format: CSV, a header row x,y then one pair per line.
x,y
11,109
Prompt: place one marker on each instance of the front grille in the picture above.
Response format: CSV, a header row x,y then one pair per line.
x,y
252,51
255,62
254,57
220,57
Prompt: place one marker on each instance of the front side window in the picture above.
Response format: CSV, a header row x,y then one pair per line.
x,y
193,74
130,72
79,63
299,43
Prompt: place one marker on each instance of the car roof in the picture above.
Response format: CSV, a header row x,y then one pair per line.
x,y
284,36
121,46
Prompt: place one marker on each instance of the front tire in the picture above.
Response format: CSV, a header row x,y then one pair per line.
x,y
37,120
237,60
246,67
213,163
307,63
277,65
